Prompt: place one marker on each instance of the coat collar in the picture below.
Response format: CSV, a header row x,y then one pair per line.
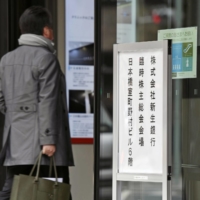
x,y
36,40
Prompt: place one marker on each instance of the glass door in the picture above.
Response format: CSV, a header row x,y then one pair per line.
x,y
135,21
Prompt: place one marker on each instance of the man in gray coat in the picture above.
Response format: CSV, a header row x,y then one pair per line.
x,y
33,99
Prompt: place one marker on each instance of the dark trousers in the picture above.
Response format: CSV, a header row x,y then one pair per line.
x,y
63,172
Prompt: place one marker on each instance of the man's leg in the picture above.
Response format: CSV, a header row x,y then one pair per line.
x,y
10,173
5,193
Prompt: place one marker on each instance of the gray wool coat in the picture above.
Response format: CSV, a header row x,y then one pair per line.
x,y
33,99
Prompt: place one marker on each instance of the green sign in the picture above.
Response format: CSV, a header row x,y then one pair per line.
x,y
184,51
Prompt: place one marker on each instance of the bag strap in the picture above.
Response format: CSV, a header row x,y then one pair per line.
x,y
38,163
55,171
38,167
50,168
33,168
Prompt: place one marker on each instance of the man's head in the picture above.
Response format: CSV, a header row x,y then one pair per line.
x,y
36,20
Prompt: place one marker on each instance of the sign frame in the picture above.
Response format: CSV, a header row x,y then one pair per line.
x,y
165,177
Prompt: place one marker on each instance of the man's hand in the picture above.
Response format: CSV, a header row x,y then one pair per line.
x,y
49,150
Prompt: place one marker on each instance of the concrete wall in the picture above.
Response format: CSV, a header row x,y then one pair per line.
x,y
82,174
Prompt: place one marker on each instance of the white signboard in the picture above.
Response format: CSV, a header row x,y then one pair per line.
x,y
141,112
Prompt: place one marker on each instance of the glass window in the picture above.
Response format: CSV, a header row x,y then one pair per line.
x,y
136,21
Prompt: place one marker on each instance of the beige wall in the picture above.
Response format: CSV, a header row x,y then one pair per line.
x,y
81,175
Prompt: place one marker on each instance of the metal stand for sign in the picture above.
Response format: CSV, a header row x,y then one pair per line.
x,y
125,167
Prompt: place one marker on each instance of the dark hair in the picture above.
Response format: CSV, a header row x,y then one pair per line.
x,y
34,19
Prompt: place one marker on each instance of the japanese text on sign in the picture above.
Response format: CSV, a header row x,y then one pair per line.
x,y
141,117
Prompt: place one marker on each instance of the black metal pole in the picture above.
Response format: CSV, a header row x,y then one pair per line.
x,y
97,67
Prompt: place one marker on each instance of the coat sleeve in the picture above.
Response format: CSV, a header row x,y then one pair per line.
x,y
2,101
49,70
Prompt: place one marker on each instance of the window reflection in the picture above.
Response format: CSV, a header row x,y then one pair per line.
x,y
141,191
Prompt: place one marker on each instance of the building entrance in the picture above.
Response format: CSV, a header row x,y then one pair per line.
x,y
136,21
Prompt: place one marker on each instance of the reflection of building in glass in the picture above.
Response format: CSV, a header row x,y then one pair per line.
x,y
81,53
124,13
81,101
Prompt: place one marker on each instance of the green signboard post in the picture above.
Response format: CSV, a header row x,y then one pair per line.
x,y
184,51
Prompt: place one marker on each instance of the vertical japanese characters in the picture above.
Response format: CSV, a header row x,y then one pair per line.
x,y
141,101
141,114
130,112
146,134
152,106
152,102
